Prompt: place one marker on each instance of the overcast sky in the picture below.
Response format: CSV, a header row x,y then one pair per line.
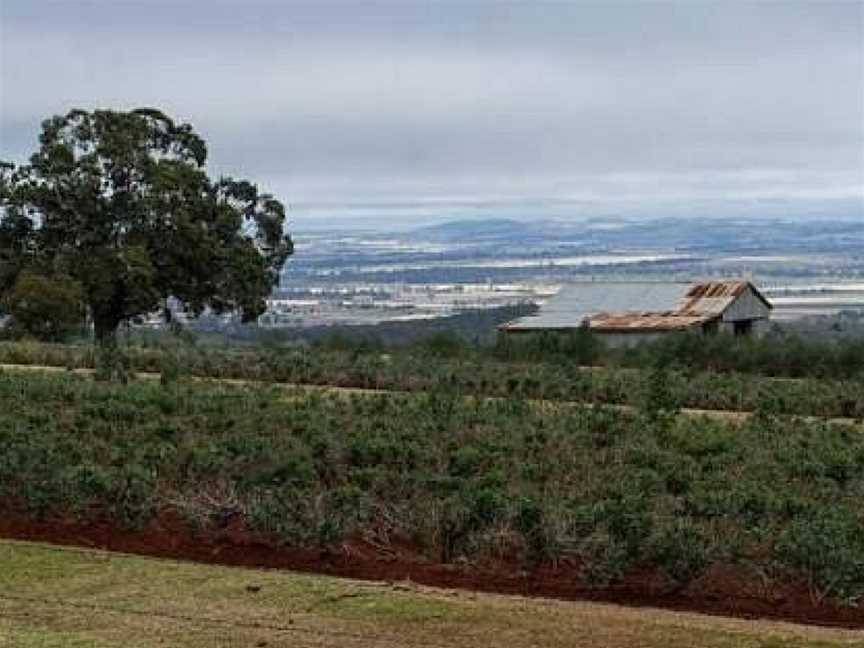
x,y
483,108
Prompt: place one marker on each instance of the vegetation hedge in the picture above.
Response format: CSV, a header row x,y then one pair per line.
x,y
786,353
460,478
442,365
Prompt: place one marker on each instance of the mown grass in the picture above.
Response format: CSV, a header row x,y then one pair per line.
x,y
57,598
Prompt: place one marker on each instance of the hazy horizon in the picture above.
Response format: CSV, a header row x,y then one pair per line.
x,y
399,113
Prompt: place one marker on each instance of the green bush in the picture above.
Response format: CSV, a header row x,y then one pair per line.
x,y
470,479
681,552
49,308
828,549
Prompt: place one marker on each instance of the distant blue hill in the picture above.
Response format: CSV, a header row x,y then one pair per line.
x,y
657,233
482,230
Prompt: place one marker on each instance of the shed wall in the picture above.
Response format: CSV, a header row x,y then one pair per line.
x,y
746,306
759,328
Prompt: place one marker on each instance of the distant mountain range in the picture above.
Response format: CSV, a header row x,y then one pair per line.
x,y
481,230
666,233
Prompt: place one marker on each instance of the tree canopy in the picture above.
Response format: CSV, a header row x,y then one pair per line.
x,y
47,308
121,203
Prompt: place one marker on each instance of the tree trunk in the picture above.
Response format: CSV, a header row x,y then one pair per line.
x,y
109,363
105,329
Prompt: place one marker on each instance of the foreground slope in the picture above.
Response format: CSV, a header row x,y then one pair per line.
x,y
64,598
758,518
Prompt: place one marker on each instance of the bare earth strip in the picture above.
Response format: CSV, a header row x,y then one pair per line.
x,y
71,598
725,415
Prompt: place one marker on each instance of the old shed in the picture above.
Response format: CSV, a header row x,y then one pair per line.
x,y
626,313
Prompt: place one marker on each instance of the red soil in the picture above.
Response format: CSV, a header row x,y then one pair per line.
x,y
723,591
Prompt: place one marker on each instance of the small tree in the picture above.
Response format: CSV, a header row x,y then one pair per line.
x,y
121,203
47,308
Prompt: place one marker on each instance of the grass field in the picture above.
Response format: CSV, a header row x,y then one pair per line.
x,y
66,598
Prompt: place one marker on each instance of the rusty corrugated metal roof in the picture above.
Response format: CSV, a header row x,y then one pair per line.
x,y
635,306
624,322
717,289
710,297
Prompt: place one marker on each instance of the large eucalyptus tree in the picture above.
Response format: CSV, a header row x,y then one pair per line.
x,y
121,202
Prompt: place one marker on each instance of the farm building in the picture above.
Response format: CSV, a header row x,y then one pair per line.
x,y
626,313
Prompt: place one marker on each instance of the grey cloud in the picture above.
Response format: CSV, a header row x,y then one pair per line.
x,y
649,104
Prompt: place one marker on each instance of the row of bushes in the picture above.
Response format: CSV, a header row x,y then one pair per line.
x,y
791,351
810,348
432,368
780,354
460,479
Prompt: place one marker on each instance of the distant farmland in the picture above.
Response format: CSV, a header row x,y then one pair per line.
x,y
816,298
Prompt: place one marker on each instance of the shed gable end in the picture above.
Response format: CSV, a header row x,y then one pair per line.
x,y
747,306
